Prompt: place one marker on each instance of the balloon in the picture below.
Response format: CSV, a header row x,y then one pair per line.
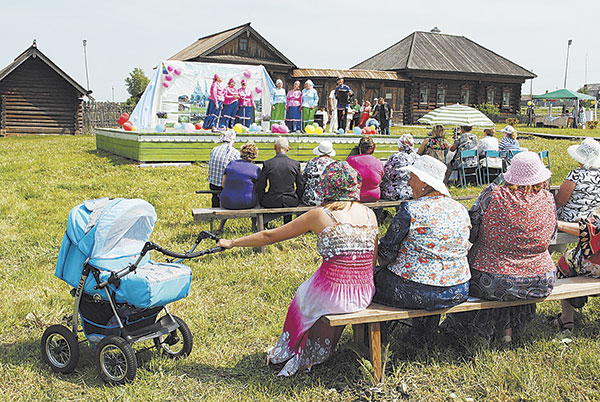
x,y
169,68
238,128
372,131
365,130
123,118
341,131
258,90
189,127
127,126
198,126
372,127
357,131
133,128
310,129
160,128
177,126
166,84
177,71
169,77
244,129
275,128
247,74
318,130
529,103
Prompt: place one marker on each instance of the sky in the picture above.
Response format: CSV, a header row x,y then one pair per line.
x,y
122,35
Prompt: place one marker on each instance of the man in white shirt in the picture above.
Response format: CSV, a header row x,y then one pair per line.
x,y
487,143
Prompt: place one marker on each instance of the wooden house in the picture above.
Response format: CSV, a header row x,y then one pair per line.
x,y
446,69
37,97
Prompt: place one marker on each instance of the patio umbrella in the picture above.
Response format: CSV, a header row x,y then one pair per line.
x,y
457,115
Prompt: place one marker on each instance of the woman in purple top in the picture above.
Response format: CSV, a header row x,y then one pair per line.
x,y
370,169
239,180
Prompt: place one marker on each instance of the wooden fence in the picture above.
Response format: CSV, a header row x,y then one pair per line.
x,y
102,114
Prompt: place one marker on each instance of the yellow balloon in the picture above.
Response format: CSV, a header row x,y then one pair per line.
x,y
315,125
319,130
237,129
372,127
529,103
310,129
133,128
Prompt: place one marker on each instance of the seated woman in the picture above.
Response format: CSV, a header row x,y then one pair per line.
x,y
583,260
313,171
346,239
423,255
435,145
370,169
394,184
509,142
465,141
512,228
579,194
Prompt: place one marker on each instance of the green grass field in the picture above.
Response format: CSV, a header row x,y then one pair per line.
x,y
238,303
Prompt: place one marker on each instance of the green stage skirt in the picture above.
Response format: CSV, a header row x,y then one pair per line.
x,y
308,116
278,114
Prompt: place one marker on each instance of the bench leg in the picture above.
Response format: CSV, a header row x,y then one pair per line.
x,y
211,226
374,334
368,339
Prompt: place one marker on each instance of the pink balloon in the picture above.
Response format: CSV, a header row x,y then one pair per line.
x,y
284,129
166,84
247,74
169,77
258,90
169,68
275,128
177,71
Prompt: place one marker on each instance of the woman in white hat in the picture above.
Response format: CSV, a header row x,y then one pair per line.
x,y
512,226
579,194
394,184
423,255
313,170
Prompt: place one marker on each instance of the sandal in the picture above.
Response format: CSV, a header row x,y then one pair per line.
x,y
558,323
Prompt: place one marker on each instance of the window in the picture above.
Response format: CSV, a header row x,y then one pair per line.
x,y
464,96
490,95
506,99
243,45
441,96
424,96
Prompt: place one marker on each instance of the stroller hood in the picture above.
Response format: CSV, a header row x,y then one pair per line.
x,y
108,232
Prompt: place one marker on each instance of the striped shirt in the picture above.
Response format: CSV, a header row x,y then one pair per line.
x,y
220,156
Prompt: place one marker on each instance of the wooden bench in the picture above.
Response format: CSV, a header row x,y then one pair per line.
x,y
366,323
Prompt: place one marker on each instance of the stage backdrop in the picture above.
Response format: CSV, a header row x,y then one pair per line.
x,y
181,90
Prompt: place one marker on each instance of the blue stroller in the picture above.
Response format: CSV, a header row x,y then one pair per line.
x,y
119,292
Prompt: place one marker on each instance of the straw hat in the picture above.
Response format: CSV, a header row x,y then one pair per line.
x,y
587,153
325,147
527,169
430,171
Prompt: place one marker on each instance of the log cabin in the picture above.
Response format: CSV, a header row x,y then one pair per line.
x,y
37,97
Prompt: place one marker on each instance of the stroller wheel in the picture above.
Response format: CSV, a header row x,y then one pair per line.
x,y
60,349
115,360
178,343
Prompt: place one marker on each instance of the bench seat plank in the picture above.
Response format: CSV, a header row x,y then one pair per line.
x,y
565,289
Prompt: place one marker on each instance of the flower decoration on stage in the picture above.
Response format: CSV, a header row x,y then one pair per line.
x,y
161,115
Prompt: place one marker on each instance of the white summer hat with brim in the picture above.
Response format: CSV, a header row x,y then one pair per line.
x,y
587,153
430,171
508,130
325,147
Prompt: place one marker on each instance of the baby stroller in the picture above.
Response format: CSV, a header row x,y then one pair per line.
x,y
119,292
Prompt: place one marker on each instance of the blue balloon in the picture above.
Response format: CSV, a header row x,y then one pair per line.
x,y
177,126
160,128
341,131
357,130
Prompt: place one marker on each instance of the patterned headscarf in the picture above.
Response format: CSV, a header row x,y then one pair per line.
x,y
406,143
231,81
340,182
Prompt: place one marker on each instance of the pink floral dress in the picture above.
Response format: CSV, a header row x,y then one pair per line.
x,y
342,284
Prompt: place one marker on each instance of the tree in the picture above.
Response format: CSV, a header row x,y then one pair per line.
x,y
136,84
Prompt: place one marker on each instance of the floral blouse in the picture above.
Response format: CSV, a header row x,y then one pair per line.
x,y
312,179
585,196
427,242
584,260
394,185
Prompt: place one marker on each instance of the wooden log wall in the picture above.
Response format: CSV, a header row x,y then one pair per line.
x,y
101,114
36,100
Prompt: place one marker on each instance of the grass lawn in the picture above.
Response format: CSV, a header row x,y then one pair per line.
x,y
238,303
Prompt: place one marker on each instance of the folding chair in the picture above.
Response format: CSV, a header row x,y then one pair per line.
x,y
511,153
496,168
545,155
466,156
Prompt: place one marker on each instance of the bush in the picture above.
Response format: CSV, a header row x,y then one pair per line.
x,y
489,109
591,124
512,121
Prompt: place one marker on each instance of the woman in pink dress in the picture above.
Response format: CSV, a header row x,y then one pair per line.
x,y
293,116
346,238
246,103
215,104
230,105
370,169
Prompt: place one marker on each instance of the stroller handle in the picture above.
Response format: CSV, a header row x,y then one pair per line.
x,y
186,255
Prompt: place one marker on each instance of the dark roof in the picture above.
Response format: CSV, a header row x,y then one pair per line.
x,y
353,74
427,51
204,46
34,52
